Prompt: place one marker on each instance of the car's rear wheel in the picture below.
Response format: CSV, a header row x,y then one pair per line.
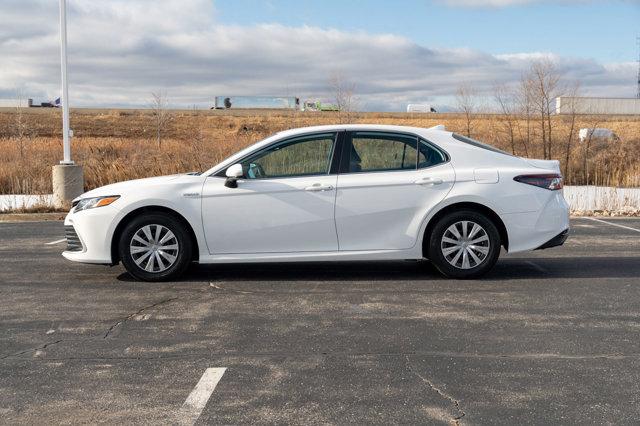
x,y
464,244
155,247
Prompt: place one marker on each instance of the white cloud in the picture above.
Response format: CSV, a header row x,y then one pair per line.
x,y
505,3
120,51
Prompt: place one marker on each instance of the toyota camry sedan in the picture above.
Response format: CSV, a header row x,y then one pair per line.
x,y
329,193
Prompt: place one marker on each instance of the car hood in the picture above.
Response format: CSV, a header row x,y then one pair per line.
x,y
121,188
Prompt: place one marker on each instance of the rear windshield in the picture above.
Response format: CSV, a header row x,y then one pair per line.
x,y
478,144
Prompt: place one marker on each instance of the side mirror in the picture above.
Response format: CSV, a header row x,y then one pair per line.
x,y
233,174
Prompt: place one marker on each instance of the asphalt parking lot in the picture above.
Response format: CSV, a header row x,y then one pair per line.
x,y
547,337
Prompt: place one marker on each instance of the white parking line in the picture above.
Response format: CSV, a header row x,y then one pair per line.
x,y
613,224
56,242
197,399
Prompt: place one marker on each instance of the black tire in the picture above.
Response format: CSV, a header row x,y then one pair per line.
x,y
436,245
182,240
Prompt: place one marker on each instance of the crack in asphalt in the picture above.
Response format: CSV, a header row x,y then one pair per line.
x,y
456,420
32,349
219,287
122,321
524,356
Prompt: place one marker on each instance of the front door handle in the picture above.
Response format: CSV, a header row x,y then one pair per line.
x,y
316,187
428,181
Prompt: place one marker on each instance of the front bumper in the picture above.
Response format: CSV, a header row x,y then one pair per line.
x,y
73,240
94,230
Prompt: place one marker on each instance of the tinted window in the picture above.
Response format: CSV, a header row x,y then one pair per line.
x,y
477,144
429,155
373,151
303,156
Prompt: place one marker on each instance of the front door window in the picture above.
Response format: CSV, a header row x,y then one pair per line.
x,y
303,156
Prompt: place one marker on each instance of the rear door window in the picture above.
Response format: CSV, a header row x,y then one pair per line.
x,y
377,151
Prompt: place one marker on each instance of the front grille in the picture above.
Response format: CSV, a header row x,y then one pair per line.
x,y
73,241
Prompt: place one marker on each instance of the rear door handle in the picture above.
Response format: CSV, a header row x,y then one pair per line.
x,y
428,181
316,187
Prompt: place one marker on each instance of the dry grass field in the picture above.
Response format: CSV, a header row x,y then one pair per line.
x,y
115,145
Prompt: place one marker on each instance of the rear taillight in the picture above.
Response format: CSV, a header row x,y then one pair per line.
x,y
552,182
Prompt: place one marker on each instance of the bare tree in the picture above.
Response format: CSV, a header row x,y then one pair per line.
x,y
197,139
525,107
570,118
542,83
506,100
594,122
162,117
20,125
344,93
466,99
525,110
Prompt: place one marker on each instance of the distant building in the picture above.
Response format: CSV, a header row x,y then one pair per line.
x,y
420,108
611,106
257,102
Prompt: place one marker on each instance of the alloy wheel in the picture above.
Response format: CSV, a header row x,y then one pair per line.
x,y
465,244
154,248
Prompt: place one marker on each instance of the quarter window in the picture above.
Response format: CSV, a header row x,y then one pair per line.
x,y
303,156
373,151
429,155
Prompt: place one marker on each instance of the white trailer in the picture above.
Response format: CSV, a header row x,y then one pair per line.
x,y
420,108
596,133
611,106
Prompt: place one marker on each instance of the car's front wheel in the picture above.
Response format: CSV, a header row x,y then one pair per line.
x,y
155,247
464,244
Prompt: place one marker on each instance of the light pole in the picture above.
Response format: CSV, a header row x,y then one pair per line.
x,y
65,90
67,177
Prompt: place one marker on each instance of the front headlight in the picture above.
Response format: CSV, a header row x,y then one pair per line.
x,y
89,203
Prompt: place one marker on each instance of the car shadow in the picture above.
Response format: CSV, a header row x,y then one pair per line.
x,y
566,267
505,269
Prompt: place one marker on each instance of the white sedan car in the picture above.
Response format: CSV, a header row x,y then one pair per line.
x,y
329,193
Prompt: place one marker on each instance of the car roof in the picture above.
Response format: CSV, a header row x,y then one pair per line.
x,y
434,132
354,127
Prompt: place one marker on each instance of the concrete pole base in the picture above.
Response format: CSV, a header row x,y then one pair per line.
x,y
68,183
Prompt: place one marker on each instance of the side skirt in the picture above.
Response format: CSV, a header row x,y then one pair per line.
x,y
313,256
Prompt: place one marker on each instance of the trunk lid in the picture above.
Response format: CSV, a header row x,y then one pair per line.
x,y
544,164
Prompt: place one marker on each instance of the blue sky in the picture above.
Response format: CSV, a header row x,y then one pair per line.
x,y
394,52
603,30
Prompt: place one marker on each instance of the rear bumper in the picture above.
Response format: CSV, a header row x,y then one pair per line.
x,y
556,241
533,230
